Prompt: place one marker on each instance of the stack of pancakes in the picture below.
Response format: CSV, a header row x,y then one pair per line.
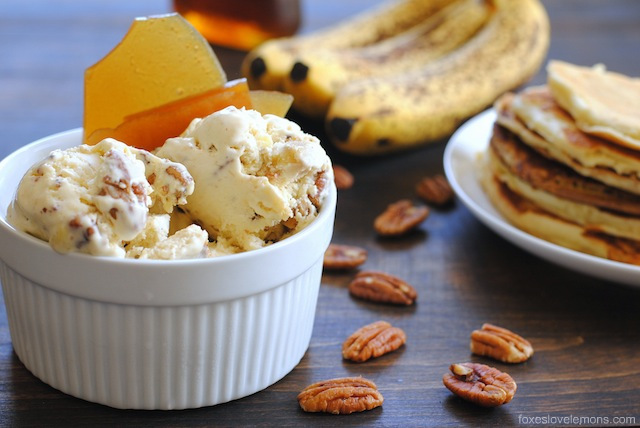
x,y
564,161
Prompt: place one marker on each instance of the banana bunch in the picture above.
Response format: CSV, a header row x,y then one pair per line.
x,y
321,73
417,84
267,66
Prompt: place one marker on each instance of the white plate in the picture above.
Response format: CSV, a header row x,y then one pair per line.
x,y
461,168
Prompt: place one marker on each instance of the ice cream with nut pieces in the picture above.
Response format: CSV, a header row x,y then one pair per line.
x,y
259,179
240,181
94,199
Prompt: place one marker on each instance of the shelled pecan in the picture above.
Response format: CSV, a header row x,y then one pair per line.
x,y
500,344
480,384
373,340
382,287
435,190
343,178
399,218
340,396
338,257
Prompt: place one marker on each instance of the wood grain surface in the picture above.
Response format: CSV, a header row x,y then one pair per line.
x,y
585,331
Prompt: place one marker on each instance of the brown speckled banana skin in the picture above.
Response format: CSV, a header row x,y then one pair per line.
x,y
266,66
328,70
385,114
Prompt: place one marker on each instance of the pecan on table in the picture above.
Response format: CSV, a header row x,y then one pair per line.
x,y
500,344
382,287
399,218
480,384
435,190
340,396
342,177
343,257
373,340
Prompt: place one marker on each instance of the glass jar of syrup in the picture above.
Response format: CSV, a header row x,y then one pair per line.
x,y
241,24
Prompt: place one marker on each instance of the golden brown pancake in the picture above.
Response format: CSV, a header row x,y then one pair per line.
x,y
601,102
556,178
589,156
527,216
539,111
559,190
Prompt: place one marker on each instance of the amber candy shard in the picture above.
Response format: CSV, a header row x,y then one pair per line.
x,y
271,102
151,128
160,60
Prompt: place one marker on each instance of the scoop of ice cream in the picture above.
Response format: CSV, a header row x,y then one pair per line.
x,y
92,199
259,178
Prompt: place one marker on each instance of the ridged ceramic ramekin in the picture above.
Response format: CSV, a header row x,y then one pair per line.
x,y
150,334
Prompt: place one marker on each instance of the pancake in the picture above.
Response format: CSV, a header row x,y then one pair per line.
x,y
560,191
527,216
563,162
588,156
539,111
601,102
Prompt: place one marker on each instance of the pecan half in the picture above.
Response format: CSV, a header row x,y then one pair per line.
x,y
382,287
344,257
342,176
435,190
340,396
321,183
480,384
500,344
373,340
178,175
399,218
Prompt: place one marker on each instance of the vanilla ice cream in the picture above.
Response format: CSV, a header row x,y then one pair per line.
x,y
93,199
188,243
241,181
258,178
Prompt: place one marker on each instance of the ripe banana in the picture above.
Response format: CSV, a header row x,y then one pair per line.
x,y
318,74
266,66
379,115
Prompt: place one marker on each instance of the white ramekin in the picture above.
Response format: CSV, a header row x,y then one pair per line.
x,y
149,334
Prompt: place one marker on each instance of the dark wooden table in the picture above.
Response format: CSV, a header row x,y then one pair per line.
x,y
586,331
